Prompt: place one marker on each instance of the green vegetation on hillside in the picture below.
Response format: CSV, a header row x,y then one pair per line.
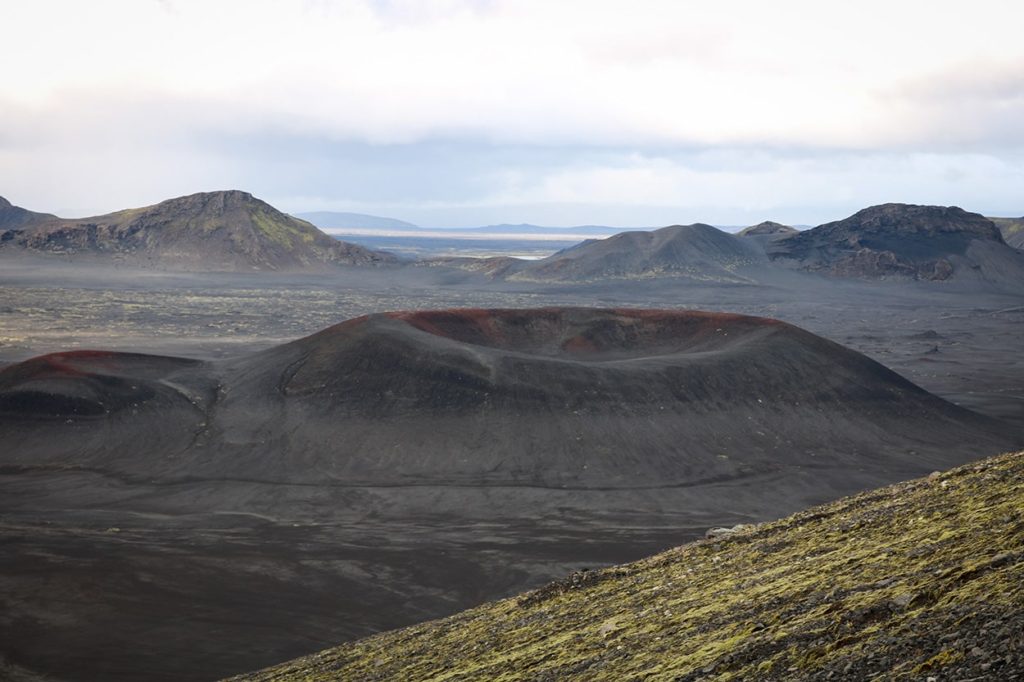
x,y
1012,230
286,232
921,580
227,230
1009,226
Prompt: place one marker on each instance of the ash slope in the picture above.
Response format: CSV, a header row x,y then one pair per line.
x,y
560,397
210,231
921,579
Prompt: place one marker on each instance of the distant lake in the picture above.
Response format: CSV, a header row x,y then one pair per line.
x,y
475,245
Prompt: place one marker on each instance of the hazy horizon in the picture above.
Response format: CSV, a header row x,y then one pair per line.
x,y
635,225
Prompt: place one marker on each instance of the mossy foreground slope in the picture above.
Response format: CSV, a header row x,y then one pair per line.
x,y
920,580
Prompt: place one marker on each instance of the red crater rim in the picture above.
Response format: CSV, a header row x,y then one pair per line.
x,y
86,364
587,331
78,363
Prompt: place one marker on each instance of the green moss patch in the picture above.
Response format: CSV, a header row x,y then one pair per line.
x,y
921,579
287,234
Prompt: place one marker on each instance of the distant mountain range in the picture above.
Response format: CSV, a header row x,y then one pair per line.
x,y
210,231
528,228
333,220
233,231
891,241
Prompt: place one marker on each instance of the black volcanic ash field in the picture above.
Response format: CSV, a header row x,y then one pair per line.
x,y
400,466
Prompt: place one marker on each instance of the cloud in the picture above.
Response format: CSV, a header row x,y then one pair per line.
x,y
621,187
794,73
711,188
601,98
979,103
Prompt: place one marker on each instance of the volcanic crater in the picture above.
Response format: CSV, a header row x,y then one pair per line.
x,y
87,383
575,397
583,335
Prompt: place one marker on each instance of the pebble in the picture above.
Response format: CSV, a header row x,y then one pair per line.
x,y
903,600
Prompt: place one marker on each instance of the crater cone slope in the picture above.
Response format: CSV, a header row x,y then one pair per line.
x,y
559,397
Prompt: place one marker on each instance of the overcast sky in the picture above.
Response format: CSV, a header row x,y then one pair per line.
x,y
462,112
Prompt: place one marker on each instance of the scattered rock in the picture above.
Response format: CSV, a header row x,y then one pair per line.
x,y
903,600
722,533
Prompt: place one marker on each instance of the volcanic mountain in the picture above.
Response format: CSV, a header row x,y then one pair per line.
x,y
905,241
698,251
402,466
330,220
766,228
14,217
891,241
222,231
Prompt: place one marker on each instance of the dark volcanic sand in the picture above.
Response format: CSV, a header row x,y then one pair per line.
x,y
110,573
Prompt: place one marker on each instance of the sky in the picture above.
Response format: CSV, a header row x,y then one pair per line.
x,y
555,112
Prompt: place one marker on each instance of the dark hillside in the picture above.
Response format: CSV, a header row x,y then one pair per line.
x,y
699,252
210,231
905,241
